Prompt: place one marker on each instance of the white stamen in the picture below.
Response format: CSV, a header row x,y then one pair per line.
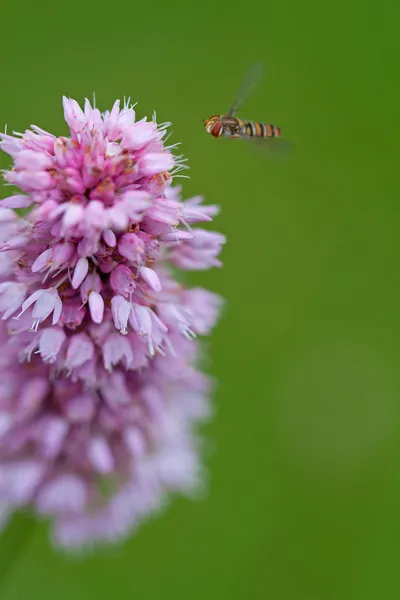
x,y
172,145
186,224
168,136
34,326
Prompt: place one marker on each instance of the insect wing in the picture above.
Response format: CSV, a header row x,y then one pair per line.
x,y
276,148
252,78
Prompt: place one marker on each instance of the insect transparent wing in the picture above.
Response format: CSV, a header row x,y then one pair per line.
x,y
276,148
252,78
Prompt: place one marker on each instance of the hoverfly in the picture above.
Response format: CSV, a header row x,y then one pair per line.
x,y
229,125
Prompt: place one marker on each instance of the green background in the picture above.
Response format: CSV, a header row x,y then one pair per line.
x,y
304,496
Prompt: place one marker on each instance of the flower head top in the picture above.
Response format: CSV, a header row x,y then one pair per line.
x,y
104,220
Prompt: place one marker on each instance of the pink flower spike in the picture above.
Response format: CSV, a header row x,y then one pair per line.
x,y
17,201
151,278
96,307
80,272
121,309
100,381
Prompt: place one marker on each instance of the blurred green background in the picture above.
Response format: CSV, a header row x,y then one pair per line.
x,y
304,497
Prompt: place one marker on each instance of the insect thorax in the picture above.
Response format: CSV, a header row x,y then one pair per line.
x,y
232,126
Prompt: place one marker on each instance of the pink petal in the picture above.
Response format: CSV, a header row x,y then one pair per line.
x,y
80,408
57,310
42,261
72,215
32,394
32,160
96,307
139,135
122,280
50,343
17,201
121,310
63,494
131,246
151,278
176,236
6,423
19,241
30,181
100,455
115,350
143,315
80,350
80,272
62,253
32,298
52,436
135,441
19,480
73,114
92,282
109,238
155,162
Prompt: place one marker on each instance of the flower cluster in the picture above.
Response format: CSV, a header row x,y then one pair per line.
x,y
99,390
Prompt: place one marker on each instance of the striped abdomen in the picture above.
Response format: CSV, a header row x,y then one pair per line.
x,y
261,130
